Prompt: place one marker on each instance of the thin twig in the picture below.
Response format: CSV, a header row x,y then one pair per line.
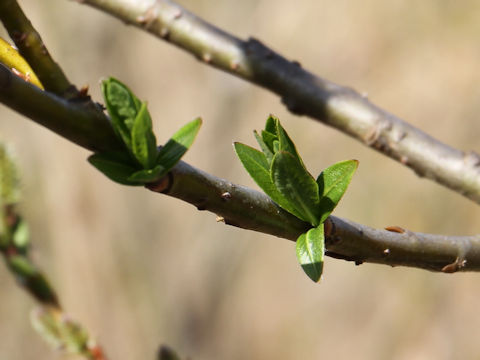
x,y
303,92
32,48
242,207
49,319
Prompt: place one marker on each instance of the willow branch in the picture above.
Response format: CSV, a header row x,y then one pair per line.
x,y
242,207
76,120
32,48
249,209
303,92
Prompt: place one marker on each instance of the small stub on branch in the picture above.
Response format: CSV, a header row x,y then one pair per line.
x,y
458,264
396,229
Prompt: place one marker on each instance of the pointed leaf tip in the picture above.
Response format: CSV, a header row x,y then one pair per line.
x,y
171,153
332,184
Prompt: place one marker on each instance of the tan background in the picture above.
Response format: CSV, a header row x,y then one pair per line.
x,y
141,269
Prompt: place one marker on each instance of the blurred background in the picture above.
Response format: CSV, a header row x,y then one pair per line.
x,y
140,269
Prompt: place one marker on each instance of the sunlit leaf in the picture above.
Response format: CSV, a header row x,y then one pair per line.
x,y
285,143
297,186
310,248
178,145
271,124
257,166
144,144
332,184
122,106
266,150
269,139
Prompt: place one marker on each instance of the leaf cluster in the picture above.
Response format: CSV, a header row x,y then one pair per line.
x,y
142,161
279,170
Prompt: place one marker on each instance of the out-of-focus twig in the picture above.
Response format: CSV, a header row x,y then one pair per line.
x,y
11,58
49,319
303,92
166,353
32,48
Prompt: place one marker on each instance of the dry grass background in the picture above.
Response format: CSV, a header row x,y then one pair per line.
x,y
141,269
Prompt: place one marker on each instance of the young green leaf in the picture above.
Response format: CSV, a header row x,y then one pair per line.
x,y
276,146
297,186
269,135
178,145
147,175
144,144
271,124
266,150
332,184
257,166
122,106
311,251
115,166
269,139
285,143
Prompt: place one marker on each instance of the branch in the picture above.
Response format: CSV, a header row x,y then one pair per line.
x,y
249,209
77,120
32,48
303,92
242,207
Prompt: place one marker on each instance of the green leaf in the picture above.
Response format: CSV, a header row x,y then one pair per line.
x,y
276,138
271,124
332,184
269,135
122,106
177,146
114,165
269,139
285,143
276,146
297,186
257,166
148,175
311,251
144,144
266,150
